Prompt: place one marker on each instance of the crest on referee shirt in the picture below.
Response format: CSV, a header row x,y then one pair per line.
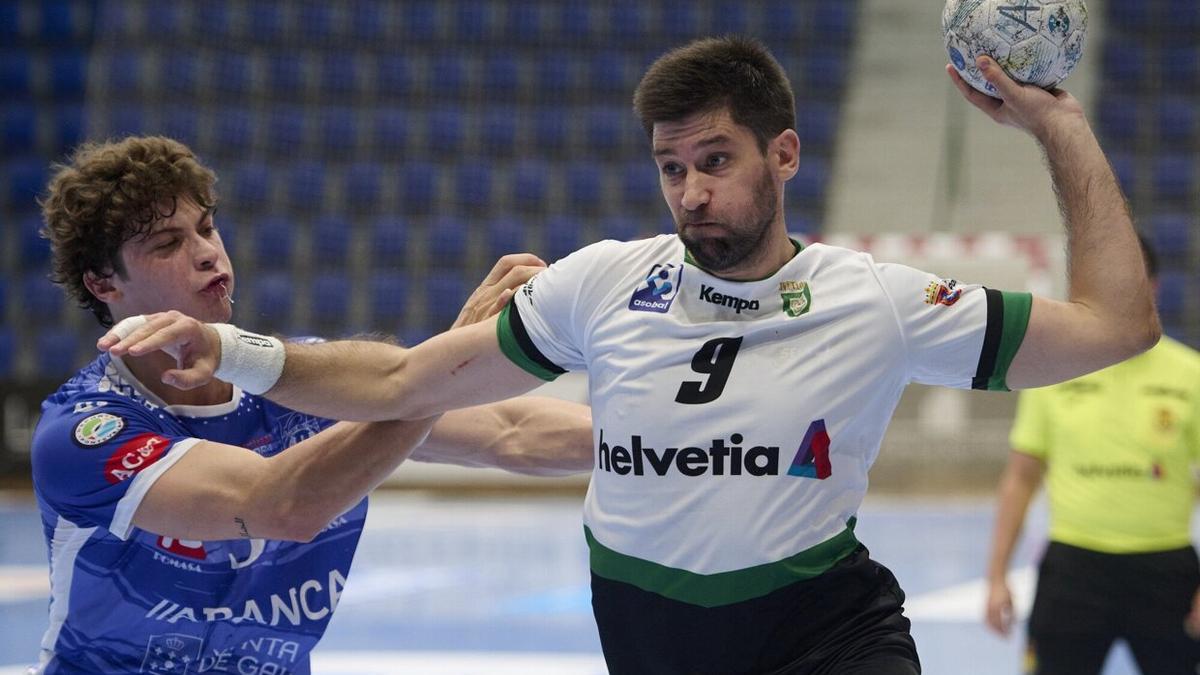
x,y
797,298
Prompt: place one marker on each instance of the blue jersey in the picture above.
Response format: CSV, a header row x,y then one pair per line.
x,y
127,601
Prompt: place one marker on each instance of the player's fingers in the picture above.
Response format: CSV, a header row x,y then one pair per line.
x,y
188,378
1006,87
507,262
169,338
127,338
120,331
502,300
987,104
518,276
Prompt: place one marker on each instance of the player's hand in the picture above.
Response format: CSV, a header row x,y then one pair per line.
x,y
195,346
508,274
999,614
1192,623
1022,106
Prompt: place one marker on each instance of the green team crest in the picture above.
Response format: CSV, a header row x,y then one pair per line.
x,y
797,298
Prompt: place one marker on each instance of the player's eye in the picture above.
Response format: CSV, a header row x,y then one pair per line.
x,y
672,169
716,160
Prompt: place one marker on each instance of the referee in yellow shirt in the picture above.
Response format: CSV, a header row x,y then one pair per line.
x,y
1117,448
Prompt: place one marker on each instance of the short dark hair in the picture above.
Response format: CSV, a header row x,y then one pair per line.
x,y
108,193
1149,255
710,74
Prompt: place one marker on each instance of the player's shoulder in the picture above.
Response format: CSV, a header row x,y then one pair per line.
x,y
614,253
832,256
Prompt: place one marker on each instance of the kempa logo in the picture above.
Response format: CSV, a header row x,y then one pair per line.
x,y
720,458
709,295
254,340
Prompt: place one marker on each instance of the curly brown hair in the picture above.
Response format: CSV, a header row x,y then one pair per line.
x,y
108,193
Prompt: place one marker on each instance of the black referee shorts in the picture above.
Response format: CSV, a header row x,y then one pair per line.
x,y
1085,600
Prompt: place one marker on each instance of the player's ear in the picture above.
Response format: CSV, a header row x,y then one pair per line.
x,y
783,153
101,286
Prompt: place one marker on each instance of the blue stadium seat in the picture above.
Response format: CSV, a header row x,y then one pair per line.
x,y
807,188
501,76
447,242
446,129
69,127
125,73
628,21
607,72
420,20
273,244
448,76
445,292
338,131
306,187
782,21
575,22
367,21
331,297
56,353
419,186
801,222
126,120
833,22
1171,234
264,22
817,123
393,75
728,17
1131,16
606,130
413,334
250,186
273,294
67,74
1172,296
315,22
584,187
330,242
231,73
389,243
58,22
498,130
16,79
339,73
286,130
473,186
825,72
362,186
42,301
523,23
35,251
183,123
471,21
555,76
18,128
212,17
505,235
1182,16
1180,67
164,19
10,22
1174,178
621,228
1177,122
639,183
179,70
8,341
285,74
234,129
1124,64
549,131
531,181
388,298
1118,117
679,20
389,132
560,237
26,179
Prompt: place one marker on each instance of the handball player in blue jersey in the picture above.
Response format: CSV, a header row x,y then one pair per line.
x,y
212,530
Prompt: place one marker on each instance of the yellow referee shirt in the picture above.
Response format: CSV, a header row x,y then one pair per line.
x,y
1119,446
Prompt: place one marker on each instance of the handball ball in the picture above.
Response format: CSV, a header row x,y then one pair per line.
x,y
1034,41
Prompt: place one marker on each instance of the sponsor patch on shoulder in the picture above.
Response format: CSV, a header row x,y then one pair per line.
x,y
97,429
658,290
944,292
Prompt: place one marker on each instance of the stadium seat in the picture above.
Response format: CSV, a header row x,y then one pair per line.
x,y
782,21
575,22
389,137
183,124
34,250
498,131
1131,16
315,22
549,130
531,181
473,187
447,242
124,73
505,235
42,301
639,184
1125,167
1172,296
273,244
234,129
338,131
388,298
445,129
833,22
368,21
231,73
264,23
628,21
555,76
59,23
472,21
1174,178
126,120
679,21
1182,17
420,20
8,342
1177,123
560,237
212,17
606,130
1180,67
584,187
285,75
286,130
1171,234
164,20
606,73
16,74
501,76
69,125
419,186
330,242
362,187
56,353
339,74
67,74
393,75
306,187
1118,117
621,228
807,188
728,18
523,22
825,72
273,294
18,128
817,123
331,297
1124,64
250,187
389,244
448,76
26,178
413,334
10,22
445,292
179,70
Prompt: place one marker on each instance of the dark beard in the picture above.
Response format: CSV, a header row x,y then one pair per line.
x,y
745,238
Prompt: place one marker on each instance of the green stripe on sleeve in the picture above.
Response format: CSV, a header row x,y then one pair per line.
x,y
1016,320
722,588
513,348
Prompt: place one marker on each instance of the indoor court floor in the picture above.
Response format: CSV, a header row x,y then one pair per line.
x,y
475,586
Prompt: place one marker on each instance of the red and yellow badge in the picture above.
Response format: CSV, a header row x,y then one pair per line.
x,y
944,292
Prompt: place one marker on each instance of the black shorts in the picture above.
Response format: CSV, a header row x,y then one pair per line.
x,y
848,621
1085,600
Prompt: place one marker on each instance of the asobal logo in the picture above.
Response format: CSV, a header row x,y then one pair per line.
x,y
658,290
721,458
709,295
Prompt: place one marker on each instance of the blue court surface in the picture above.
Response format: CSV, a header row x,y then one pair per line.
x,y
474,586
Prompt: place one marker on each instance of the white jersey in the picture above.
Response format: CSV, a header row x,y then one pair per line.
x,y
734,422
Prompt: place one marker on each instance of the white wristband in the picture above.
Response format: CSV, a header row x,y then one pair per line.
x,y
251,361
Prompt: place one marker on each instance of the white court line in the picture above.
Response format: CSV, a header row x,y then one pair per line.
x,y
21,583
964,603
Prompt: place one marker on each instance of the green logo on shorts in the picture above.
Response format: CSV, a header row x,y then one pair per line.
x,y
797,298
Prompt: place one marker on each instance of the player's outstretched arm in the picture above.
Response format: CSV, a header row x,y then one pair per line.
x,y
1109,315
